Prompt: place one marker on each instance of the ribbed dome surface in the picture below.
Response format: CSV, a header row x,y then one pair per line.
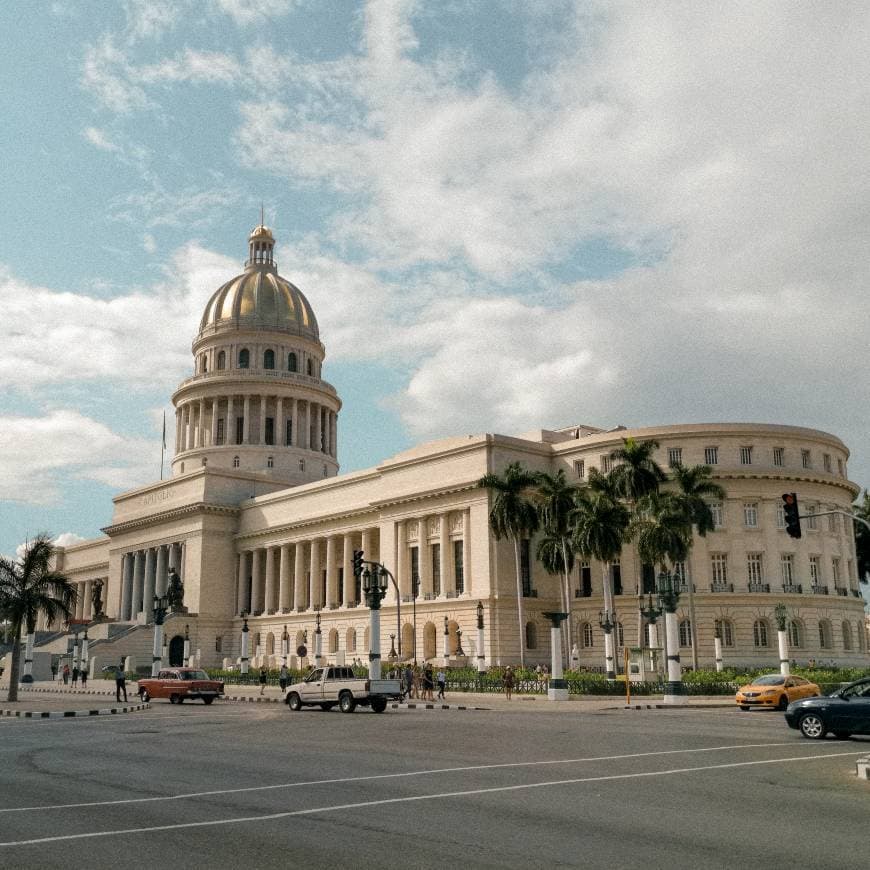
x,y
260,298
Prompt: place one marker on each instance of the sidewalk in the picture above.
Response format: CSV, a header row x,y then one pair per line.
x,y
54,700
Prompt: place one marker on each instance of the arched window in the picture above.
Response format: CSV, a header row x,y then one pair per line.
x,y
847,636
725,628
270,644
333,641
269,359
291,362
222,359
685,632
244,358
825,639
795,634
204,462
311,368
760,633
350,640
235,462
531,636
588,637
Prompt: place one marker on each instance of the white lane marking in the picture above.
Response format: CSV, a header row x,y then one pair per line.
x,y
376,776
410,798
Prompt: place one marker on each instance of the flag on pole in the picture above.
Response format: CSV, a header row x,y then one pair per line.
x,y
164,428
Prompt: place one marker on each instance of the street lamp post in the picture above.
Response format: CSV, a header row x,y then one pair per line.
x,y
161,605
669,597
318,642
605,620
651,613
83,659
245,641
27,676
717,646
557,689
358,563
75,657
446,647
481,658
374,584
780,613
186,653
285,645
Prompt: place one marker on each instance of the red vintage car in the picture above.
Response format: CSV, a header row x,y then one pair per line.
x,y
179,685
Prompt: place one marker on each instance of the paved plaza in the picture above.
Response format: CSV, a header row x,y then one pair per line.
x,y
530,785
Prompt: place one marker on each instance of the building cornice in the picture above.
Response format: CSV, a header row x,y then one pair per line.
x,y
197,508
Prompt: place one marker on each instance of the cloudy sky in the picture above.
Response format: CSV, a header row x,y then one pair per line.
x,y
506,214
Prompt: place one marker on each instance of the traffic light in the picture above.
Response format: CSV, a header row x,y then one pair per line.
x,y
357,562
792,516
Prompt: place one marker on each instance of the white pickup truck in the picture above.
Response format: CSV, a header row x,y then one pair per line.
x,y
326,687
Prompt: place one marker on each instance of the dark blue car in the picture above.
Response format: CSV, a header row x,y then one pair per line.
x,y
844,712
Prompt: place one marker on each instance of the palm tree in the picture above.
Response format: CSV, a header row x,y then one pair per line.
x,y
28,587
556,500
514,517
695,487
600,526
862,537
637,473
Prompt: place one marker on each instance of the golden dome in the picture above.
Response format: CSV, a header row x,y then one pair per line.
x,y
261,232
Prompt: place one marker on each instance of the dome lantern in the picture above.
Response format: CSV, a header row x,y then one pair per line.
x,y
261,246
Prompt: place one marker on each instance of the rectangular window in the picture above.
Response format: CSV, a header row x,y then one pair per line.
x,y
717,511
270,430
436,568
616,574
806,459
746,456
240,429
288,433
586,579
835,571
341,585
675,456
719,567
415,571
755,567
786,565
606,464
580,468
780,516
840,469
526,566
457,562
826,462
816,570
221,434
711,455
680,572
812,520
779,456
647,578
832,522
750,514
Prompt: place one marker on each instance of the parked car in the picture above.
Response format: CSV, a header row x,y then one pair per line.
x,y
845,712
326,687
179,685
775,691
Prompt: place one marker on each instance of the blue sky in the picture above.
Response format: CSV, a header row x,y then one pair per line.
x,y
506,215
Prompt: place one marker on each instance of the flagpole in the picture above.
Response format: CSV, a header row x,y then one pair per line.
x,y
163,444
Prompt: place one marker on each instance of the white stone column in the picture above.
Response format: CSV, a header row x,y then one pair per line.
x,y
126,587
315,427
178,429
403,579
242,593
80,602
188,426
717,651
138,584
609,668
271,586
347,570
149,583
558,688
314,581
261,439
331,573
784,665
279,422
675,673
230,425
284,579
87,609
160,582
256,580
375,644
294,412
425,552
28,657
198,430
305,441
466,551
157,650
246,425
245,648
333,444
215,415
447,584
299,585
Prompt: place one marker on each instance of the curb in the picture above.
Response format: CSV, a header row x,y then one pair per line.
x,y
71,714
60,691
257,699
673,707
397,706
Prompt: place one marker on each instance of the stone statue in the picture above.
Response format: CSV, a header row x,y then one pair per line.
x,y
97,599
175,591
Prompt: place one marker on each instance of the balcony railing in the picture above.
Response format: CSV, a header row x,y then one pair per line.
x,y
819,590
721,587
759,587
684,587
794,588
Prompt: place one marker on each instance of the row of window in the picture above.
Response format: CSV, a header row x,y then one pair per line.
x,y
752,516
435,556
270,463
762,634
755,572
747,455
243,361
269,434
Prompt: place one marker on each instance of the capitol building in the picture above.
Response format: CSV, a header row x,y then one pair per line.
x,y
259,524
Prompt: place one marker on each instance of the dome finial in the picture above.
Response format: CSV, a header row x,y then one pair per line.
x,y
261,244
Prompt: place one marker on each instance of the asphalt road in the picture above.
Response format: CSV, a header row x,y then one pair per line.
x,y
257,786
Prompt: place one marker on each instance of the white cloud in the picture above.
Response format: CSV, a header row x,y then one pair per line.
x,y
99,139
246,12
106,74
208,67
40,454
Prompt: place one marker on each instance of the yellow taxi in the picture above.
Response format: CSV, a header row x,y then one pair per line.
x,y
775,691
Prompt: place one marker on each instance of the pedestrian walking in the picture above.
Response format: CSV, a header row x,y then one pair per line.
x,y
84,676
75,676
263,674
442,683
507,682
428,683
66,675
120,683
53,671
283,678
409,681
